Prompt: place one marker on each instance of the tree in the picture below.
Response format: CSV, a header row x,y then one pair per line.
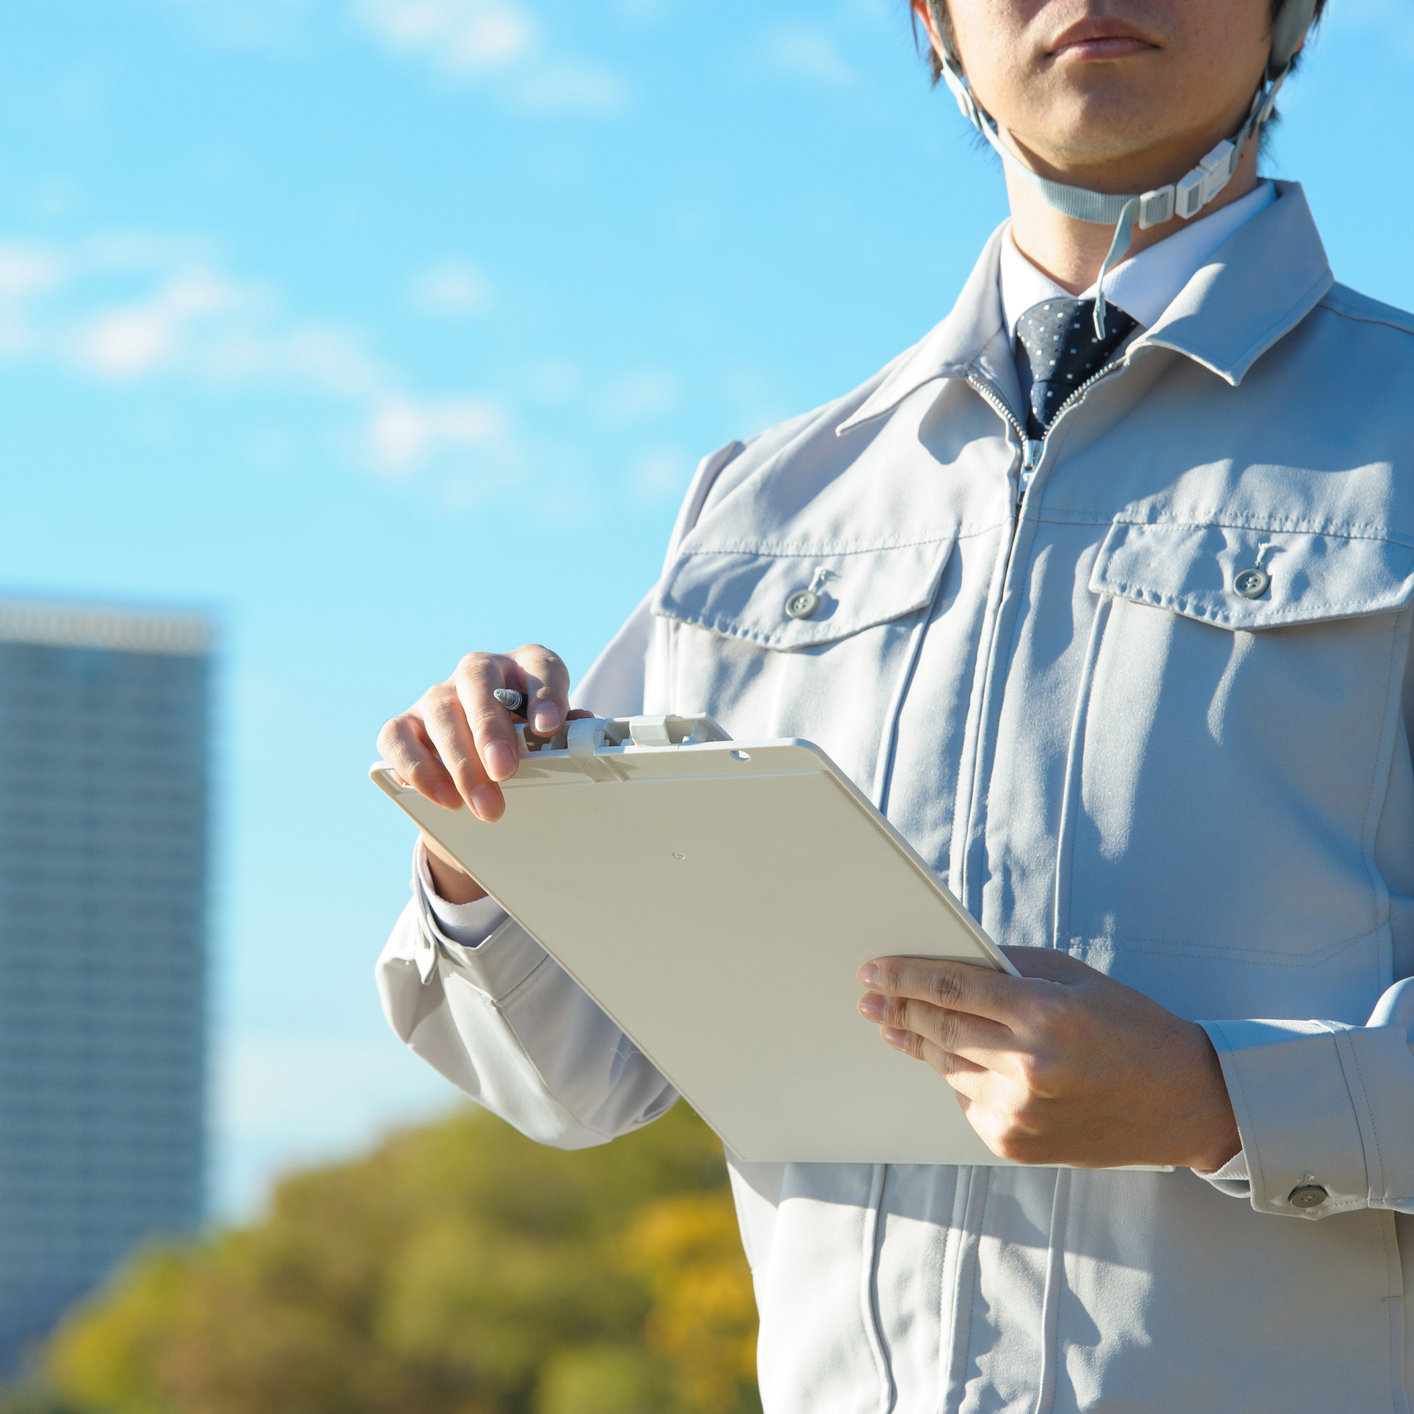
x,y
459,1269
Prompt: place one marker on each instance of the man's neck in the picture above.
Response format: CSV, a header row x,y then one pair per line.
x,y
1071,252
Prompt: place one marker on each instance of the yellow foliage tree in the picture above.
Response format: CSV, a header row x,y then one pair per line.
x,y
460,1269
703,1317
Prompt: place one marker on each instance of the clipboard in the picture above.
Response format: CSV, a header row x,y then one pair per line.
x,y
716,899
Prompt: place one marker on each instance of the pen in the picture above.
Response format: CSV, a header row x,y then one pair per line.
x,y
513,701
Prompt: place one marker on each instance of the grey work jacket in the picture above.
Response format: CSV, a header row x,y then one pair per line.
x,y
1063,703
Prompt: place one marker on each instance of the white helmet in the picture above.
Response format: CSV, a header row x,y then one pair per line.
x,y
1184,198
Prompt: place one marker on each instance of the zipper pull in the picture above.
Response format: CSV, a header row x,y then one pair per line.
x,y
1030,454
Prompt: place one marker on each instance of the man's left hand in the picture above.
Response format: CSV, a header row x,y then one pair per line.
x,y
1062,1065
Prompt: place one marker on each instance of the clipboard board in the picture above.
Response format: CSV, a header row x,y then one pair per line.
x,y
716,898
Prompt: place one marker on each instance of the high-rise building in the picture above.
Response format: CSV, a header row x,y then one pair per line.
x,y
103,904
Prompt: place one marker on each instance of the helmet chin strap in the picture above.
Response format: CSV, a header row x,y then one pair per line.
x,y
1184,198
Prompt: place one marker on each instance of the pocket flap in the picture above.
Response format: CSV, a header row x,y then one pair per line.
x,y
743,593
1197,571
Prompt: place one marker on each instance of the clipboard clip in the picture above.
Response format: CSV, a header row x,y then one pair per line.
x,y
583,739
586,739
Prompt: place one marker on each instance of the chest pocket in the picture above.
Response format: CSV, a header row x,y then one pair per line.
x,y
791,597
1228,766
802,641
1204,572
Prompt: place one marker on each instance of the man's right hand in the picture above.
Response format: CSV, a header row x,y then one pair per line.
x,y
456,743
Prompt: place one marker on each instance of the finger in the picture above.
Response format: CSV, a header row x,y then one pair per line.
x,y
955,986
404,745
944,1062
976,1082
987,1113
546,683
1007,1129
982,1099
451,736
984,1043
493,732
909,1042
973,1083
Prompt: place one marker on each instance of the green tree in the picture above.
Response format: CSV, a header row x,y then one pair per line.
x,y
459,1269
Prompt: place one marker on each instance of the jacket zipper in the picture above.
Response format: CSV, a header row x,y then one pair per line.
x,y
1031,453
1032,449
1087,385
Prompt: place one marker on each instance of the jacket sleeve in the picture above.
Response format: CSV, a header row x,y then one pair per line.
x,y
1326,1106
507,1025
502,1020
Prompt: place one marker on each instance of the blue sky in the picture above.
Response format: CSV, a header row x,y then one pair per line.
x,y
386,329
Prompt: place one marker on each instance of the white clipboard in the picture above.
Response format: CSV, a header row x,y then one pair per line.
x,y
716,899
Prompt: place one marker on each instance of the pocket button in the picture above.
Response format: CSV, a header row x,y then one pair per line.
x,y
802,604
1251,584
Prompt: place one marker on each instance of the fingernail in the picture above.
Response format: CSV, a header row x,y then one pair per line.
x,y
486,801
872,1007
547,719
500,761
896,1038
868,975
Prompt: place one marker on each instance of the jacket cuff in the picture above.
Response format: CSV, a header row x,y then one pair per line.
x,y
467,924
500,965
495,966
1297,1113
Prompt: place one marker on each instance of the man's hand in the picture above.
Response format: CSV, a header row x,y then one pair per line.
x,y
456,743
1062,1065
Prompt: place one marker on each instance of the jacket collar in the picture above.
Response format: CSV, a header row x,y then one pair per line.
x,y
1254,289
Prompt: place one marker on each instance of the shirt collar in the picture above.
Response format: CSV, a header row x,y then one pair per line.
x,y
1144,285
1257,286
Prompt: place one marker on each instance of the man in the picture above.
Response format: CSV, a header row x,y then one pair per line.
x,y
1124,584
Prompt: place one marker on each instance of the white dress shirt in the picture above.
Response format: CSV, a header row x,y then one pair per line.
x,y
1145,284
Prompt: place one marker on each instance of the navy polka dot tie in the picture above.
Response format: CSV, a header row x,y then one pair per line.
x,y
1058,337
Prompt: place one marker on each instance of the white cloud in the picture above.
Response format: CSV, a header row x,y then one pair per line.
x,y
197,322
497,41
458,36
331,358
27,270
135,308
141,337
143,310
404,432
806,52
451,289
